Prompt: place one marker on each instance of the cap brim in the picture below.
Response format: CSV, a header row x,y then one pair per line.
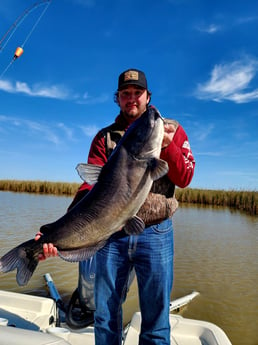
x,y
131,83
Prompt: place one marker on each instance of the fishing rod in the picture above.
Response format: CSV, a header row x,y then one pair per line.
x,y
12,29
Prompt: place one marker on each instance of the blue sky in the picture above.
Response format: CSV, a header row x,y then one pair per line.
x,y
200,58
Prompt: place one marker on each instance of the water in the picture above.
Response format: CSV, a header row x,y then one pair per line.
x,y
215,254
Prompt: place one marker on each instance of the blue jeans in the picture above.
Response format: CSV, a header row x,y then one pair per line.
x,y
151,254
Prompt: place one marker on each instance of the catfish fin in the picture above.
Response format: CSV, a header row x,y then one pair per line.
x,y
158,167
25,271
134,226
46,229
80,254
89,172
24,258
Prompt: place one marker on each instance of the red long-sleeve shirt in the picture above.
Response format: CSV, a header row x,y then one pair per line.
x,y
180,159
177,154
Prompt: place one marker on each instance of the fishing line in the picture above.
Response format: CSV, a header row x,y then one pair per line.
x,y
15,26
34,26
6,68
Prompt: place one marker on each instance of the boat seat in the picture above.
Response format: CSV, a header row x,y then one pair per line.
x,y
183,332
26,311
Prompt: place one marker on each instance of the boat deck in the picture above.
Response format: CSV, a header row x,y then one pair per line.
x,y
27,320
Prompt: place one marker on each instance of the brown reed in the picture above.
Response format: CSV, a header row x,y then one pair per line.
x,y
242,200
40,187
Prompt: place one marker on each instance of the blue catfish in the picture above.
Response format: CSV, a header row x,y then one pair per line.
x,y
120,187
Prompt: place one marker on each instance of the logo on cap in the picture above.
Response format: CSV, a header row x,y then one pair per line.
x,y
131,75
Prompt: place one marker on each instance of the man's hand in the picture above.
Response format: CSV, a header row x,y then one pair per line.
x,y
169,132
49,249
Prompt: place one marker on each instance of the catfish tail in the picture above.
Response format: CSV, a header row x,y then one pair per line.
x,y
24,258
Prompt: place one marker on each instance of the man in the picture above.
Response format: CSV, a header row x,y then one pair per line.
x,y
150,254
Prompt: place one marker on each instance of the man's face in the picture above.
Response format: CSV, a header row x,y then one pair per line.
x,y
133,102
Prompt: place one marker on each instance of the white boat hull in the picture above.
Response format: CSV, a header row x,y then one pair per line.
x,y
31,320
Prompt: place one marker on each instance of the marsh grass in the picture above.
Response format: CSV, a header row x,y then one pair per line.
x,y
40,187
242,200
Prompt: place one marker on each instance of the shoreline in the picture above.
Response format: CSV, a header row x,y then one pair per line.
x,y
241,200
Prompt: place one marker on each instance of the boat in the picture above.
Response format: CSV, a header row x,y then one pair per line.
x,y
27,319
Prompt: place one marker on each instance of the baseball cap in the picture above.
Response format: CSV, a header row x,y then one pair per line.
x,y
132,77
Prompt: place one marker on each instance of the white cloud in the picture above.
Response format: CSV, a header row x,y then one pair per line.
x,y
50,91
68,131
228,23
42,131
245,97
230,82
6,86
89,131
209,153
87,99
37,90
243,20
201,133
210,29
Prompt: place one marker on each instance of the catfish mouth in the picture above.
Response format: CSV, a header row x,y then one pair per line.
x,y
152,145
154,118
144,136
160,116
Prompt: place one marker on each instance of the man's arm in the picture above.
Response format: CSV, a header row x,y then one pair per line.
x,y
179,156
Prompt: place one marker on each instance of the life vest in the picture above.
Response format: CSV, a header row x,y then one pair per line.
x,y
161,202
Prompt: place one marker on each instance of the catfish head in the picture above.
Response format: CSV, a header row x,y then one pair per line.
x,y
147,133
